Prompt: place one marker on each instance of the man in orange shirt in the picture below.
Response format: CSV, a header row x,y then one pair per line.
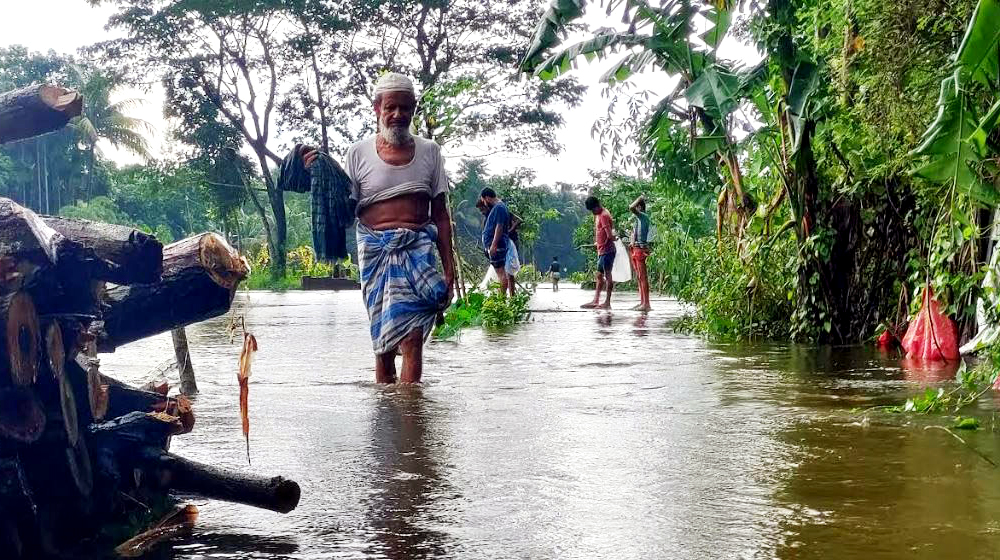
x,y
604,240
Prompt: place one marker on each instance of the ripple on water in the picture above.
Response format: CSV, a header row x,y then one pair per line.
x,y
578,435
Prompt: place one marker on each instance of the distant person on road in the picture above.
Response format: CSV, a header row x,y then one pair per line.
x,y
496,238
604,241
555,271
640,250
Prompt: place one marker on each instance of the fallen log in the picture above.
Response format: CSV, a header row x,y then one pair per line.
x,y
200,276
133,256
19,345
36,109
60,272
188,477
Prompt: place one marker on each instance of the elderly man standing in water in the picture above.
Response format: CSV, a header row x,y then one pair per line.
x,y
399,184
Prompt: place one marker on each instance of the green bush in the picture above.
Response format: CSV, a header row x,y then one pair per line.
x,y
734,298
301,262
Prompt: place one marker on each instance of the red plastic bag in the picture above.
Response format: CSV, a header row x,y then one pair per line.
x,y
886,339
931,335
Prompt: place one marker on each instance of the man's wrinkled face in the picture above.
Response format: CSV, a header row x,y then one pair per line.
x,y
395,113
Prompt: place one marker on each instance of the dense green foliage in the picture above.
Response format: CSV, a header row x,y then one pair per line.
x,y
819,218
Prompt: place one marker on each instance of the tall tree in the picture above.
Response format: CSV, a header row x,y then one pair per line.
x,y
461,53
232,53
104,120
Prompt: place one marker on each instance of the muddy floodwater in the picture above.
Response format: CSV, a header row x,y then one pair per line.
x,y
580,435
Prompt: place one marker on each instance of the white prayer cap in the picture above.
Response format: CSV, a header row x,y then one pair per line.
x,y
391,81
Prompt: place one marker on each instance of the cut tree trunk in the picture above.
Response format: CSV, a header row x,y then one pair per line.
x,y
200,275
56,361
60,272
22,417
183,355
19,346
179,474
135,256
36,109
97,391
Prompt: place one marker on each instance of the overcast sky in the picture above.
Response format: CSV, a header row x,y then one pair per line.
x,y
70,24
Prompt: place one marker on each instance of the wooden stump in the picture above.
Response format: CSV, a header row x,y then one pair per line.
x,y
200,276
36,109
20,341
183,356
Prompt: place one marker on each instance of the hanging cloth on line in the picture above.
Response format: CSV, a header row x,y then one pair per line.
x,y
331,203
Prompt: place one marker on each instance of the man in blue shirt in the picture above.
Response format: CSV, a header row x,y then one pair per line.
x,y
496,236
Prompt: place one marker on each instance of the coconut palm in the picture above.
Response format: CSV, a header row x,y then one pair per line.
x,y
102,119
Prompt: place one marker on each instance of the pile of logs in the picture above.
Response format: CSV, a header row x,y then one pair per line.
x,y
80,451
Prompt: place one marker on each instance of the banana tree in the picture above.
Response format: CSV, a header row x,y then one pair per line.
x,y
663,36
959,152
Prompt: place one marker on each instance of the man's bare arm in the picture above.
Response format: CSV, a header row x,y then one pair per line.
x,y
442,219
634,207
497,234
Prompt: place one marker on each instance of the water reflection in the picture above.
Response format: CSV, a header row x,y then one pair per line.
x,y
640,324
405,476
208,544
929,371
603,319
911,488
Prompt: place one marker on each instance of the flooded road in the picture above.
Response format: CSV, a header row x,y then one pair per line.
x,y
580,435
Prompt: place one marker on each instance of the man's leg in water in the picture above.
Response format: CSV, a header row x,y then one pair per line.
x,y
642,279
610,287
413,357
503,279
385,367
598,286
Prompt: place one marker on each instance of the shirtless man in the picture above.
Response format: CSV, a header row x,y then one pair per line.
x,y
604,242
398,181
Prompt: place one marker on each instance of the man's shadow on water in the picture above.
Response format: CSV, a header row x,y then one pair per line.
x,y
405,479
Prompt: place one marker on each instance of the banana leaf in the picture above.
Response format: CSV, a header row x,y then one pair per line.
x,y
983,130
977,56
803,85
559,14
715,91
630,65
952,159
603,42
721,20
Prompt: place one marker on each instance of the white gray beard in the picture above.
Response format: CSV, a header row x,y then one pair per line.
x,y
395,135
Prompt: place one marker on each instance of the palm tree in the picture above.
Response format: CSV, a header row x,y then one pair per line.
x,y
102,119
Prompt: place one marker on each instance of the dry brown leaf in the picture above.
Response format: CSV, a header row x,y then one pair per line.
x,y
185,412
243,376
